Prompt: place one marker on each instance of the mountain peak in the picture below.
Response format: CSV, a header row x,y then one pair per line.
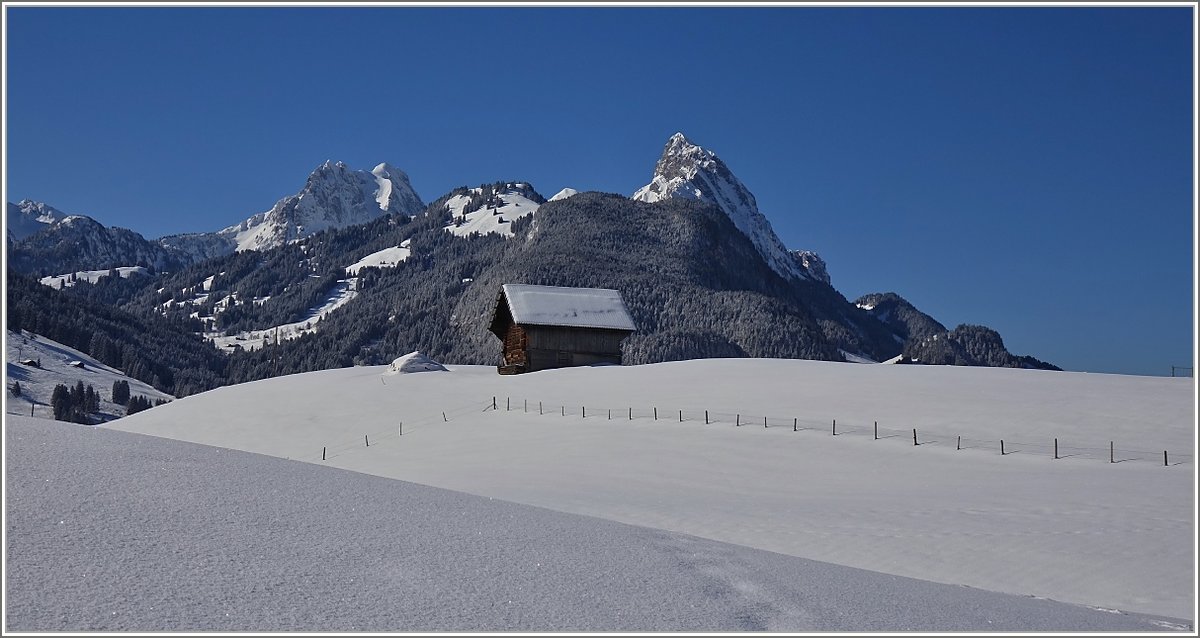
x,y
689,171
335,195
28,217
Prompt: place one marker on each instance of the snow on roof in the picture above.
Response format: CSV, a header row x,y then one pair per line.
x,y
575,307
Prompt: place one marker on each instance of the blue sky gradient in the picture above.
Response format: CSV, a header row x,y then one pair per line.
x,y
1030,169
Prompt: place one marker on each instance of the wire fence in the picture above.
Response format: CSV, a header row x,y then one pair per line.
x,y
1051,447
393,434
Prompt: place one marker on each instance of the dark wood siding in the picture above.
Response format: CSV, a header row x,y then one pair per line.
x,y
559,347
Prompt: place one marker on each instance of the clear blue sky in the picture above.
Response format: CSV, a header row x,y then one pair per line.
x,y
1029,169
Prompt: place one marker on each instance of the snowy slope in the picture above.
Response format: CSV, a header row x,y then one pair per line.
x,y
386,258
220,540
1077,529
688,171
342,293
497,219
67,280
563,194
334,196
37,384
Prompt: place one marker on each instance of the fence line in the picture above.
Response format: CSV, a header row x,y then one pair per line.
x,y
1054,447
354,441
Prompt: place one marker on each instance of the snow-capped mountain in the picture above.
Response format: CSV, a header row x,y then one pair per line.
x,y
27,217
688,171
333,197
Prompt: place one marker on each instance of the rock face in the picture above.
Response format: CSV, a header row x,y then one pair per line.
x,y
688,171
334,196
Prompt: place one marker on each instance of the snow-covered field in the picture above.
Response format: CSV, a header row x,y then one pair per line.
x,y
1079,529
112,531
37,384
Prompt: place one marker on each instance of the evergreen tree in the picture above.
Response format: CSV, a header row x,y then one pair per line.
x,y
16,388
137,404
120,392
60,402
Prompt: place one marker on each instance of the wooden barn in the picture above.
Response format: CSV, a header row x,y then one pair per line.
x,y
545,327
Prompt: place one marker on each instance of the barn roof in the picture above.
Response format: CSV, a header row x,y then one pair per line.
x,y
574,307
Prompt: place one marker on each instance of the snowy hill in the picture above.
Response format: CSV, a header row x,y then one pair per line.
x,y
688,171
1078,529
60,365
491,209
219,540
334,196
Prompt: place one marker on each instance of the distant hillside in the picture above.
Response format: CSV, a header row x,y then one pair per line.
x,y
148,348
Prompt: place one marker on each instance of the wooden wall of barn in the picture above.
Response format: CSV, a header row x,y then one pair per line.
x,y
549,347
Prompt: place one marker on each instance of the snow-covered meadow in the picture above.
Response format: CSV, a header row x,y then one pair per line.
x,y
113,531
1079,529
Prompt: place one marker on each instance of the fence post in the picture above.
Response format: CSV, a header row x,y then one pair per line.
x,y
444,417
526,406
583,410
1110,452
706,417
835,427
738,422
322,452
1001,447
1056,448
764,421
564,409
366,440
681,416
795,422
401,429
610,414
539,408
877,430
914,436
1165,458
630,414
655,414
959,445
493,403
